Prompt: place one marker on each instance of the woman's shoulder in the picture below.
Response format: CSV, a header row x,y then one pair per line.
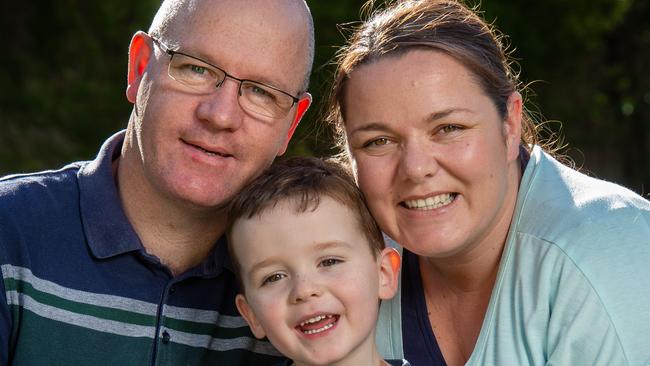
x,y
559,204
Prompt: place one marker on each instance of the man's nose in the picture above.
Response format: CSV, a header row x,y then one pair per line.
x,y
221,108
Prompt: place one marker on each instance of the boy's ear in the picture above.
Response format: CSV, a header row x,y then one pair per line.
x,y
246,311
140,52
389,266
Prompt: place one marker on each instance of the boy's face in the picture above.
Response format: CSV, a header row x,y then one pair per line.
x,y
312,283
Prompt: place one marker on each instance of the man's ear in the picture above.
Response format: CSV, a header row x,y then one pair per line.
x,y
512,125
140,51
389,266
246,311
301,108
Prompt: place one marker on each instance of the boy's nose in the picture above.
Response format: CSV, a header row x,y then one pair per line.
x,y
304,290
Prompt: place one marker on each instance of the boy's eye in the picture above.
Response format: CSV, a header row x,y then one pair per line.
x,y
273,278
330,262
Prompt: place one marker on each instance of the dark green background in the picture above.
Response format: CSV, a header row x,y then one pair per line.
x,y
63,77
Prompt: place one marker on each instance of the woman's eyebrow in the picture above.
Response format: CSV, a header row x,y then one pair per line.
x,y
444,113
380,126
372,126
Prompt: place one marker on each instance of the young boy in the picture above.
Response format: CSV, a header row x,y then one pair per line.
x,y
311,263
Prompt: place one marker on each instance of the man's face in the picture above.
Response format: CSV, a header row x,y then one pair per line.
x,y
201,149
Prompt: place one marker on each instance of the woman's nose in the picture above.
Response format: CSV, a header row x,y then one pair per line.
x,y
418,161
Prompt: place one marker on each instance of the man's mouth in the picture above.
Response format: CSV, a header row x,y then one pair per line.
x,y
318,324
208,152
430,203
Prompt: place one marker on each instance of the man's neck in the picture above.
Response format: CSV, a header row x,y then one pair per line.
x,y
181,236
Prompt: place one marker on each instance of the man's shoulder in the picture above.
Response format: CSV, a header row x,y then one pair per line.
x,y
30,195
25,183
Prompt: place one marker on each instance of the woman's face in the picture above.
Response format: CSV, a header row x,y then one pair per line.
x,y
436,162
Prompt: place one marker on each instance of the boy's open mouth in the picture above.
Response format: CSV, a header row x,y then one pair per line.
x,y
318,324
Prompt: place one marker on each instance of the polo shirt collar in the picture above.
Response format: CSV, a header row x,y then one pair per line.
x,y
108,231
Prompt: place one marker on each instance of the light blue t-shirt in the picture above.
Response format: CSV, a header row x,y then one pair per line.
x,y
574,281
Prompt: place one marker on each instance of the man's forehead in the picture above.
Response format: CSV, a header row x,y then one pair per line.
x,y
260,37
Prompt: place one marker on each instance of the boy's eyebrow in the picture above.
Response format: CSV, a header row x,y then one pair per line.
x,y
265,263
332,244
319,247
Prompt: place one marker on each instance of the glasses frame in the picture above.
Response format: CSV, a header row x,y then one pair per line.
x,y
171,54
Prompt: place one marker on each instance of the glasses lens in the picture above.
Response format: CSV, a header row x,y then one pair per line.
x,y
194,73
264,100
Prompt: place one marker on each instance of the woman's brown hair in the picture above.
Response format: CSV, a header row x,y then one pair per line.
x,y
442,25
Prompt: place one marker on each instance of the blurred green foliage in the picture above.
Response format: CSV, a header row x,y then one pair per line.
x,y
63,77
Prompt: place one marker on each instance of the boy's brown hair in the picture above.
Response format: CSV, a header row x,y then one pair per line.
x,y
303,181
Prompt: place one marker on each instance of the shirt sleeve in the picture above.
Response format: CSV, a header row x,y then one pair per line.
x,y
580,329
5,324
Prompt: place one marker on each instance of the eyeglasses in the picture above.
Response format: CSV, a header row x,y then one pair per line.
x,y
203,77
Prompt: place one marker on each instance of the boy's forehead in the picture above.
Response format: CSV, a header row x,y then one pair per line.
x,y
284,231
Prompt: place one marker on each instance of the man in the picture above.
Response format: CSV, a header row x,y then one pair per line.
x,y
121,261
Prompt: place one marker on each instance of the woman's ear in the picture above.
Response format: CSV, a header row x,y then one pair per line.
x,y
140,51
248,314
512,125
389,266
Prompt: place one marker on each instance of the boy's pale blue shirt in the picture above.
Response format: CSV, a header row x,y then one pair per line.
x,y
574,282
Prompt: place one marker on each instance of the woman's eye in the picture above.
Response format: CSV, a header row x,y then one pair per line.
x,y
382,141
330,262
449,128
273,278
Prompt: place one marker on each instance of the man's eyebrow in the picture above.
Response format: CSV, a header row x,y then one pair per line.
x,y
208,60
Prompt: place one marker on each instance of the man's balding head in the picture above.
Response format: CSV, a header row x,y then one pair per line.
x,y
176,20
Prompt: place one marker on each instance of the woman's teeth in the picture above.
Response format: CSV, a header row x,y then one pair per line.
x,y
431,203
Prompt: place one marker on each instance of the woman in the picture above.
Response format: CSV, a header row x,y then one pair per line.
x,y
510,258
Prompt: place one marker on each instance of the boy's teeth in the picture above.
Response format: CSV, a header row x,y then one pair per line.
x,y
324,328
431,202
315,319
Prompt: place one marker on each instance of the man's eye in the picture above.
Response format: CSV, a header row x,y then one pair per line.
x,y
273,278
198,69
259,93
